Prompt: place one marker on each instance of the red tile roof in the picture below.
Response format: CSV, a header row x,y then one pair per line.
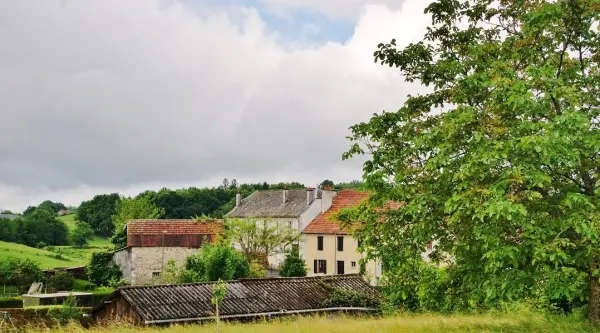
x,y
324,222
174,227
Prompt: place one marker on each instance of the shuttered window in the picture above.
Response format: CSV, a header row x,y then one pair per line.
x,y
320,243
340,243
320,266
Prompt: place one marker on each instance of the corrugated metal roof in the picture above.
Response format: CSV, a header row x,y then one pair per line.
x,y
269,203
243,297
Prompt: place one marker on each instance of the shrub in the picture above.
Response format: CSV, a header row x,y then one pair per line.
x,y
346,298
11,302
61,281
67,312
293,265
216,262
101,270
256,270
20,273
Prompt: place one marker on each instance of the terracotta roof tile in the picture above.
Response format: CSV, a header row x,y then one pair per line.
x,y
174,227
325,224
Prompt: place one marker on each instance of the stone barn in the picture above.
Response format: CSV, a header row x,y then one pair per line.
x,y
152,243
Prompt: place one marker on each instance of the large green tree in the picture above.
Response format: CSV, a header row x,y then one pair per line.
x,y
98,213
140,207
500,161
41,227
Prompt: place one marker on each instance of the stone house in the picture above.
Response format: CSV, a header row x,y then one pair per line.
x,y
152,243
295,208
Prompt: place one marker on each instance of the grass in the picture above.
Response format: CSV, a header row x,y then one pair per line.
x,y
69,220
97,244
505,323
46,259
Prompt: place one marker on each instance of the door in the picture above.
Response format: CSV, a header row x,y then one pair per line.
x,y
340,267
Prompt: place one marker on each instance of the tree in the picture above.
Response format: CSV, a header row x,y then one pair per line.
x,y
19,272
140,207
8,230
293,265
82,234
499,161
61,281
260,237
98,213
326,183
41,225
219,291
52,207
216,262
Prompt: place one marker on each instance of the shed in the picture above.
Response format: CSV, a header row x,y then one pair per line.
x,y
246,298
83,299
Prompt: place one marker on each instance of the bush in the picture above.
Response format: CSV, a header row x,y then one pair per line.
x,y
293,265
20,273
61,281
346,298
11,302
216,262
101,270
256,270
67,312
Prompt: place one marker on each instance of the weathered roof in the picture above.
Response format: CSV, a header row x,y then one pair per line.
x,y
174,227
269,203
8,216
243,298
326,223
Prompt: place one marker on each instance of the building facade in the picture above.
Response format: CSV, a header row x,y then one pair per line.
x,y
295,208
151,244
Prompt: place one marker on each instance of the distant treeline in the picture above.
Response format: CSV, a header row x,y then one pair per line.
x,y
39,228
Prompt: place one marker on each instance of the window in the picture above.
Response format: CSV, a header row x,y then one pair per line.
x,y
353,264
340,267
429,246
340,243
155,275
320,243
320,266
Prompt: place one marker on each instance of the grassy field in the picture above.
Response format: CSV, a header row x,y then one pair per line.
x,y
97,244
402,323
46,259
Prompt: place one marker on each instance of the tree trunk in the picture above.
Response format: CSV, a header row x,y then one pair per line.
x,y
594,301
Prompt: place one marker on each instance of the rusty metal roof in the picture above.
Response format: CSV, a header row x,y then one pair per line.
x,y
174,227
246,297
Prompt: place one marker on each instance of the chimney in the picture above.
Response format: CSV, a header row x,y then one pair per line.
x,y
327,198
286,194
310,195
238,198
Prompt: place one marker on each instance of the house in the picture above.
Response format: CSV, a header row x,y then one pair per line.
x,y
330,249
8,216
244,299
295,208
152,243
63,212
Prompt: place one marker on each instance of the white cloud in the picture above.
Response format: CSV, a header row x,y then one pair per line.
x,y
122,95
337,9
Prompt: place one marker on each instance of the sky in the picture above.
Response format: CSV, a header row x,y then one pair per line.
x,y
124,96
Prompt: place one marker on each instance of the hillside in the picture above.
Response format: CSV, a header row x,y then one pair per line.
x,y
70,221
46,259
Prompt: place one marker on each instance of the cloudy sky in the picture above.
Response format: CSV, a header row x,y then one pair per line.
x,y
112,95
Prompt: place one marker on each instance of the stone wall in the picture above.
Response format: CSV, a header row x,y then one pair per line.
x,y
148,260
122,259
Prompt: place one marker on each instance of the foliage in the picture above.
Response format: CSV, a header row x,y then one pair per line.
x,y
67,312
215,262
348,298
98,213
499,160
82,234
101,271
259,236
52,207
61,281
293,265
256,270
38,226
219,290
8,230
171,273
140,207
20,273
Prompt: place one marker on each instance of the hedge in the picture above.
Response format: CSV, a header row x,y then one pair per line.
x,y
11,302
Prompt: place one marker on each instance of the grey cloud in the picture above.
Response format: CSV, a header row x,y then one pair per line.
x,y
113,94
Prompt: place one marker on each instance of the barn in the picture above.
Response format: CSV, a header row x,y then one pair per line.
x,y
244,299
152,243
